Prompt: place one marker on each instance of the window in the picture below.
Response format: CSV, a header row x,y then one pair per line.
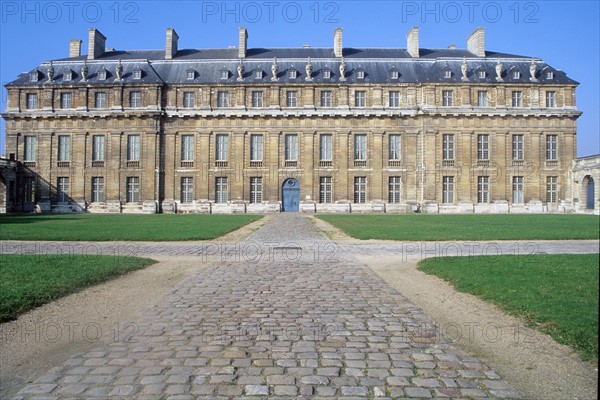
x,y
34,76
224,74
394,187
97,148
137,74
360,147
326,74
518,189
360,97
64,148
256,190
102,75
483,189
481,74
97,189
190,74
291,98
62,189
447,98
187,189
29,148
482,98
65,100
394,147
187,148
257,99
325,189
551,147
517,99
68,75
291,147
550,99
221,190
360,74
222,150
29,188
394,99
133,189
394,74
189,99
483,147
448,147
326,147
326,98
549,75
258,74
552,189
360,189
518,148
256,147
100,100
448,189
31,101
447,74
135,99
292,74
222,99
516,74
133,148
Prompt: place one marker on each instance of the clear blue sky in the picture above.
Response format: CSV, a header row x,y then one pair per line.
x,y
565,34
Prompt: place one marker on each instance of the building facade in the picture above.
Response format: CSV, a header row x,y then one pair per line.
x,y
308,129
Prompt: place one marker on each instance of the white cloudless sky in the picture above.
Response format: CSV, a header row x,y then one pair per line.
x,y
565,34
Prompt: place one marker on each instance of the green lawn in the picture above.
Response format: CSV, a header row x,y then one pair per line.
x,y
556,294
29,281
94,227
467,227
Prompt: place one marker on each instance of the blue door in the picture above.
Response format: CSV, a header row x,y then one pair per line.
x,y
291,195
590,194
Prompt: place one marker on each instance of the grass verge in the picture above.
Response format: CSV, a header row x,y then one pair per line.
x,y
467,227
94,227
29,281
556,294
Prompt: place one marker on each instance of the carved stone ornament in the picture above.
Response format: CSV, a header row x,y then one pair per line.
x,y
50,72
499,70
84,71
240,71
274,69
309,70
343,69
119,70
463,69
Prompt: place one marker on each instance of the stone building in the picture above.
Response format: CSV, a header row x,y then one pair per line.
x,y
337,129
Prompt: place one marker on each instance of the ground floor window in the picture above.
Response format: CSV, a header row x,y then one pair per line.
x,y
133,189
518,189
256,191
394,189
187,189
29,189
62,192
97,189
448,189
483,189
552,189
325,190
221,190
360,189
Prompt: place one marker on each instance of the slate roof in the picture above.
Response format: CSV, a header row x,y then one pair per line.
x,y
377,64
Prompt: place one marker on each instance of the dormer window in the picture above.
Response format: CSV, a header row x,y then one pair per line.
x,y
292,74
34,76
68,76
549,75
137,73
447,74
360,74
516,75
481,74
102,75
394,74
190,74
326,74
258,74
224,74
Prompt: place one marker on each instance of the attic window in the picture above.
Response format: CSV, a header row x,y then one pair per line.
x,y
292,74
190,74
360,74
34,76
549,75
394,74
326,73
516,75
68,75
102,75
447,74
258,74
137,74
481,74
224,74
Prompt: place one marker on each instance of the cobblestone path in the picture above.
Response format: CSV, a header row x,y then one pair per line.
x,y
287,315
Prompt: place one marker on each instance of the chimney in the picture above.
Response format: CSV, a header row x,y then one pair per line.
x,y
243,42
171,47
74,48
337,42
476,42
96,43
412,42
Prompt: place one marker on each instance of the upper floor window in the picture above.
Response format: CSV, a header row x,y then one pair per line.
x,y
516,74
98,148
360,74
189,99
448,147
222,148
394,147
394,100
360,98
133,147
64,148
190,74
482,98
291,147
549,75
552,147
137,73
550,99
257,98
481,74
326,74
258,74
224,74
187,148
518,148
34,76
222,99
29,148
292,74
517,98
394,74
68,75
483,147
135,99
256,147
32,101
360,147
102,75
65,100
326,98
447,74
447,98
291,98
326,147
100,100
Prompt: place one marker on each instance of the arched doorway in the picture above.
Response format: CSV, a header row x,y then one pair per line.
x,y
589,193
291,195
